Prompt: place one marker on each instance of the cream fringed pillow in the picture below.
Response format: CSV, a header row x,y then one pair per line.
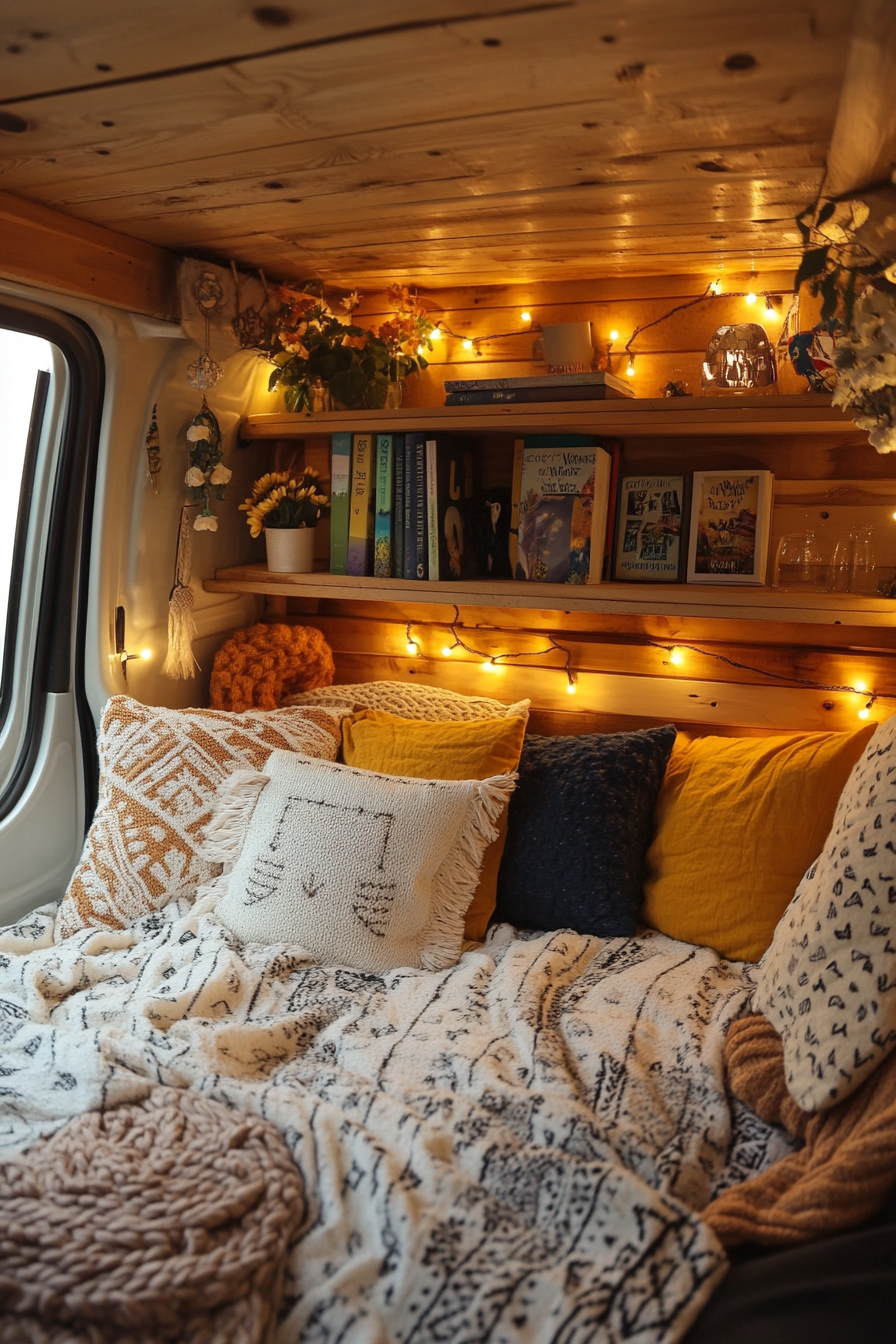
x,y
160,770
361,869
409,701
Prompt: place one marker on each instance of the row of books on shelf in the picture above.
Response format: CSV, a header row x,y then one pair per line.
x,y
411,506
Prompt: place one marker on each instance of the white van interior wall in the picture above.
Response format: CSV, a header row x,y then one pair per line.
x,y
148,527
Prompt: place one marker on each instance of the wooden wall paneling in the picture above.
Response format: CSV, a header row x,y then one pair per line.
x,y
56,252
616,654
665,628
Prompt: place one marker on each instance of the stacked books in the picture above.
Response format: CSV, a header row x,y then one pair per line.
x,y
549,387
402,507
407,506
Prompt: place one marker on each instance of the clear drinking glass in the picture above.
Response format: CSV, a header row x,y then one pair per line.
x,y
799,563
853,562
863,575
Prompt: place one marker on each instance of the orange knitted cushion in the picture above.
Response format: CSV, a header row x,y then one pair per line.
x,y
261,664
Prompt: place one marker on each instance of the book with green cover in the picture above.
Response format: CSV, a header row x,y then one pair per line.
x,y
361,505
340,481
382,539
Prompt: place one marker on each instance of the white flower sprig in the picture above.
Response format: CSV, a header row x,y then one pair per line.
x,y
866,364
206,472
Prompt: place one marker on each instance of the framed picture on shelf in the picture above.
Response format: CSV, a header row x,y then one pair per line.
x,y
731,515
650,520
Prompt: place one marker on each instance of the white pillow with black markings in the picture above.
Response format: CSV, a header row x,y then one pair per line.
x,y
828,981
358,868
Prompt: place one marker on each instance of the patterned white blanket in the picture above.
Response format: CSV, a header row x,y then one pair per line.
x,y
516,1149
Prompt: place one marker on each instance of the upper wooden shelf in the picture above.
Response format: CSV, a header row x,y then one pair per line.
x,y
726,602
810,413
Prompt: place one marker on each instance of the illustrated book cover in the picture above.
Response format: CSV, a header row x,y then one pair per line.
x,y
650,518
730,523
564,496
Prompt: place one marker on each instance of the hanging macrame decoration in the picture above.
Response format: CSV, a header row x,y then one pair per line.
x,y
206,475
153,452
180,663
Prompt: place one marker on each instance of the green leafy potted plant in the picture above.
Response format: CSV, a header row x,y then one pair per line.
x,y
287,509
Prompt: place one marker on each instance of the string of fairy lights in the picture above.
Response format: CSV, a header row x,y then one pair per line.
x,y
495,662
714,290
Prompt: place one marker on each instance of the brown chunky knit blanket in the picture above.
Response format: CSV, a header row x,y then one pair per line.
x,y
164,1220
838,1178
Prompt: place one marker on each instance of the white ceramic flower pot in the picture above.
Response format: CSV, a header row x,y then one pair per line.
x,y
290,549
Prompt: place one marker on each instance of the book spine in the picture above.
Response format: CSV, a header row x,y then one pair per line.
x,y
410,507
614,448
432,509
421,553
340,482
361,507
398,509
382,537
599,509
516,486
529,395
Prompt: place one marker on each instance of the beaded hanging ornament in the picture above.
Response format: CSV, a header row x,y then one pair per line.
x,y
205,372
153,451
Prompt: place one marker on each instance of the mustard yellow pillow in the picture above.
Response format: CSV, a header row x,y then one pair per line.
x,y
465,749
738,822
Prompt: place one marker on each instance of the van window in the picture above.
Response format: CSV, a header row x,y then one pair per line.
x,y
23,358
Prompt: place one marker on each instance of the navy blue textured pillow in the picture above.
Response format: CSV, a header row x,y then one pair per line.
x,y
579,826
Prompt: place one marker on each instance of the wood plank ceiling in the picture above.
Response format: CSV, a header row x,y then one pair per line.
x,y
442,143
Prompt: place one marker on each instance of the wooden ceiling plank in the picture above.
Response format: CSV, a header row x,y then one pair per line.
x,y
42,247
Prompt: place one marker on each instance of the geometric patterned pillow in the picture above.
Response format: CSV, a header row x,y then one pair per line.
x,y
408,701
828,981
160,770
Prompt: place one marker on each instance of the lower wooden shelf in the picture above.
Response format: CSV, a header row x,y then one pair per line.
x,y
728,602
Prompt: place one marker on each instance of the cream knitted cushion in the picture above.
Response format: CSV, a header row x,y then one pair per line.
x,y
408,701
160,770
360,869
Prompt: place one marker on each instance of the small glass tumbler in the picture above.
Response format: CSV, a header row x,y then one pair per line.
x,y
799,563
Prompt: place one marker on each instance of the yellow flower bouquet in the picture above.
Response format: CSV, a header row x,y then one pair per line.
x,y
279,500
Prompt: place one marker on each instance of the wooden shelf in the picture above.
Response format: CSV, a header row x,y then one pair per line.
x,y
727,603
677,416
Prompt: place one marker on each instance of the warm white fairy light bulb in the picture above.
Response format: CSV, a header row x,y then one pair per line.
x,y
630,371
676,657
861,687
435,334
614,335
570,687
467,344
411,647
146,654
751,299
716,287
526,317
864,713
447,651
